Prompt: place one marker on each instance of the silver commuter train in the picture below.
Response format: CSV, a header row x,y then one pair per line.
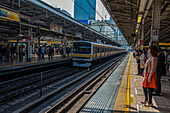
x,y
84,52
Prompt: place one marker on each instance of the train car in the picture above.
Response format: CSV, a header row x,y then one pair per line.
x,y
84,52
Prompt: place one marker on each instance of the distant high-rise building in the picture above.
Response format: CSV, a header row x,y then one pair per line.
x,y
85,9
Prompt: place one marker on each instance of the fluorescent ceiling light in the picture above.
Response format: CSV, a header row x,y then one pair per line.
x,y
139,19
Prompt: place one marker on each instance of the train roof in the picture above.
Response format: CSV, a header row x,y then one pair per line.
x,y
99,44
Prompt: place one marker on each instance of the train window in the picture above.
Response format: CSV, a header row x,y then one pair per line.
x,y
98,50
82,48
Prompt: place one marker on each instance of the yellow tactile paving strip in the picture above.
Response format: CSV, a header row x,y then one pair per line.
x,y
121,97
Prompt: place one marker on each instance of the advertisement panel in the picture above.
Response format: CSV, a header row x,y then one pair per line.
x,y
56,28
9,15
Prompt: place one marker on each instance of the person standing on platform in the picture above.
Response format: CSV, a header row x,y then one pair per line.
x,y
57,50
138,61
12,52
150,81
50,52
146,52
39,52
165,51
159,71
142,61
3,53
133,53
42,53
7,52
54,51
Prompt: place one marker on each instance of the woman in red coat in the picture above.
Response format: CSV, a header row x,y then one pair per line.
x,y
150,81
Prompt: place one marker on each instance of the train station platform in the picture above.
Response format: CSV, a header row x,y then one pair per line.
x,y
18,61
123,92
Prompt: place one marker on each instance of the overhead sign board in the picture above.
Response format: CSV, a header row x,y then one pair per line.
x,y
9,15
155,34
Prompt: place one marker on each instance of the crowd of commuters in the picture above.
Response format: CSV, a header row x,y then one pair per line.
x,y
8,53
152,64
51,51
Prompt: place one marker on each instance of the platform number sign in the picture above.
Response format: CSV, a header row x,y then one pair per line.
x,y
155,34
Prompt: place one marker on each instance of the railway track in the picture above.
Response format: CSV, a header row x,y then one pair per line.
x,y
86,89
57,83
20,71
70,89
13,89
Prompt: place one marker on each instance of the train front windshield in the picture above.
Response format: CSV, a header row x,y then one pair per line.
x,y
82,47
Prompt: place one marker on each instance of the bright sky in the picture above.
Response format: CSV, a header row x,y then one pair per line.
x,y
68,5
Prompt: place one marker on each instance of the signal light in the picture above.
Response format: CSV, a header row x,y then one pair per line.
x,y
74,57
88,57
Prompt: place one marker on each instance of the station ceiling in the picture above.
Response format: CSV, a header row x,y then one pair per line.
x,y
125,13
39,16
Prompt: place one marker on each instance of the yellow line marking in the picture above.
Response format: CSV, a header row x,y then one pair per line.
x,y
121,97
128,88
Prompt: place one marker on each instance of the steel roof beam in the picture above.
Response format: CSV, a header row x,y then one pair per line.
x,y
119,5
133,4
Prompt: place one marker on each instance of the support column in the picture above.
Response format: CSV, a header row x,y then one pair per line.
x,y
155,23
30,44
138,39
138,43
142,36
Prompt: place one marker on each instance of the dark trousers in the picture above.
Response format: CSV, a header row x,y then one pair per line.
x,y
158,89
141,70
42,57
138,68
146,91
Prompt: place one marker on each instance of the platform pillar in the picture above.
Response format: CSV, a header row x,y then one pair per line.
x,y
29,44
155,26
142,36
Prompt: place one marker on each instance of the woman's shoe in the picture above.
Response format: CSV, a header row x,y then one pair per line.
x,y
144,102
149,105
